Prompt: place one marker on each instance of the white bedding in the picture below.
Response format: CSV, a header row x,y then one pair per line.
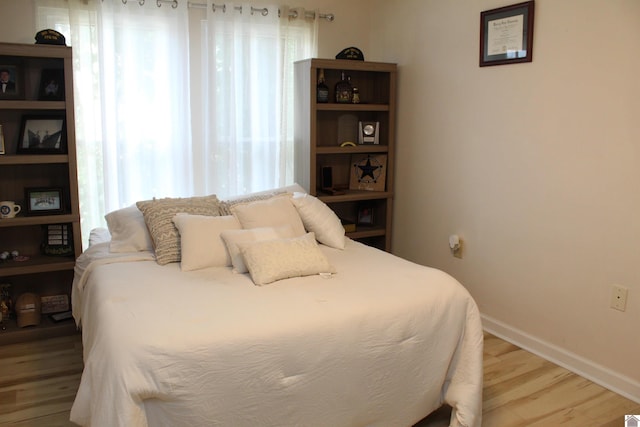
x,y
381,343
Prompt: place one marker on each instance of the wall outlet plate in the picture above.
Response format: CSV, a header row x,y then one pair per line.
x,y
619,297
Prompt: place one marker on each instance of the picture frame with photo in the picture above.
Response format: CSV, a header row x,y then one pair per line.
x,y
44,201
11,80
51,85
365,214
42,134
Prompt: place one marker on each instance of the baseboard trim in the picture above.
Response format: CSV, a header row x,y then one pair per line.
x,y
585,368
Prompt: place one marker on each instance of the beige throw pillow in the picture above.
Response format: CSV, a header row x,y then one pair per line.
x,y
233,238
274,212
272,260
201,245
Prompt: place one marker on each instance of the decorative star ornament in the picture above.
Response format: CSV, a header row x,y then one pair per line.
x,y
368,170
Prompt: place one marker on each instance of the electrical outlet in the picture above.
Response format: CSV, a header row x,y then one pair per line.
x,y
619,297
456,251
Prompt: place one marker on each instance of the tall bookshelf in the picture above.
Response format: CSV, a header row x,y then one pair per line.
x,y
322,128
27,166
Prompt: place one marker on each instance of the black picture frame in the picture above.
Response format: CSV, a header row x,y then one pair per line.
x,y
43,134
365,214
44,200
506,34
51,85
13,70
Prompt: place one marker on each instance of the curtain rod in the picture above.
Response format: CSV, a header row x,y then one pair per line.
x,y
263,10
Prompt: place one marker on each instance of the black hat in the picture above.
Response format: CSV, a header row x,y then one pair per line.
x,y
50,37
351,53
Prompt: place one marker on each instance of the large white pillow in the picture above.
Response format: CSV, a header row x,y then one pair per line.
x,y
274,212
272,260
320,219
128,230
201,245
233,238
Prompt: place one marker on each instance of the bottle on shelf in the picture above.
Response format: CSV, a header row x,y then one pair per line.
x,y
344,90
355,97
322,93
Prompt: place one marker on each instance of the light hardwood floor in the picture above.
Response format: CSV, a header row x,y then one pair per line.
x,y
38,382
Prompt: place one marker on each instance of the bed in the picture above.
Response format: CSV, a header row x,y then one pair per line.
x,y
347,335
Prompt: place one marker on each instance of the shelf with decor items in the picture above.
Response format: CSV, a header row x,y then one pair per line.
x,y
337,158
39,243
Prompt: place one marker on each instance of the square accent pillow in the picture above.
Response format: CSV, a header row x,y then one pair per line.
x,y
320,219
225,206
274,212
128,230
158,215
233,238
272,260
201,245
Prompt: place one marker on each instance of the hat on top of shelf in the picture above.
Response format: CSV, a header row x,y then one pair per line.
x,y
28,310
50,37
351,53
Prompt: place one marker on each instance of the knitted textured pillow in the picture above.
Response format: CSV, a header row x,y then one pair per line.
x,y
158,215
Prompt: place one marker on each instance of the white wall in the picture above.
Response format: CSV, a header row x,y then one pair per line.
x,y
536,166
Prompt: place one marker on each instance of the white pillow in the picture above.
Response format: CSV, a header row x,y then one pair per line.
x,y
233,238
320,219
99,235
200,243
128,230
272,260
274,212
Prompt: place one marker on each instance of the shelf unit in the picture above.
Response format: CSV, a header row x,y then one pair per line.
x,y
41,274
320,128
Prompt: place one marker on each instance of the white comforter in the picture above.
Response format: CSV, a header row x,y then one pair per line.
x,y
381,343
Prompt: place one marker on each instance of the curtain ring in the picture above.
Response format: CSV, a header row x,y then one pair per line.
x,y
263,11
224,7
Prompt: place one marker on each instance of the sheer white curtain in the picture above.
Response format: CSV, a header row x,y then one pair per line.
x,y
137,134
248,86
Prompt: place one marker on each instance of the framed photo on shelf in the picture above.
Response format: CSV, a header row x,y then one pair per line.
x,y
365,214
11,80
43,134
506,34
51,85
44,201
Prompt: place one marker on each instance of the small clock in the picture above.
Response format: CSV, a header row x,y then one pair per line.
x,y
368,132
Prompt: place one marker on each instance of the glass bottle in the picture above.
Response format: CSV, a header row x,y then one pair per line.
x,y
322,92
344,90
355,96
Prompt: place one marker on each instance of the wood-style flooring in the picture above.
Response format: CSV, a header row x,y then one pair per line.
x,y
38,382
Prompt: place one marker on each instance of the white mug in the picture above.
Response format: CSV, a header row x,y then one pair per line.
x,y
9,209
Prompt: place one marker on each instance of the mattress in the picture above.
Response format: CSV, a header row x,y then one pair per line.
x,y
383,342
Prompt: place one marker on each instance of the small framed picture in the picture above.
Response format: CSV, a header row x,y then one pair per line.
x,y
44,201
43,134
365,214
11,80
51,85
